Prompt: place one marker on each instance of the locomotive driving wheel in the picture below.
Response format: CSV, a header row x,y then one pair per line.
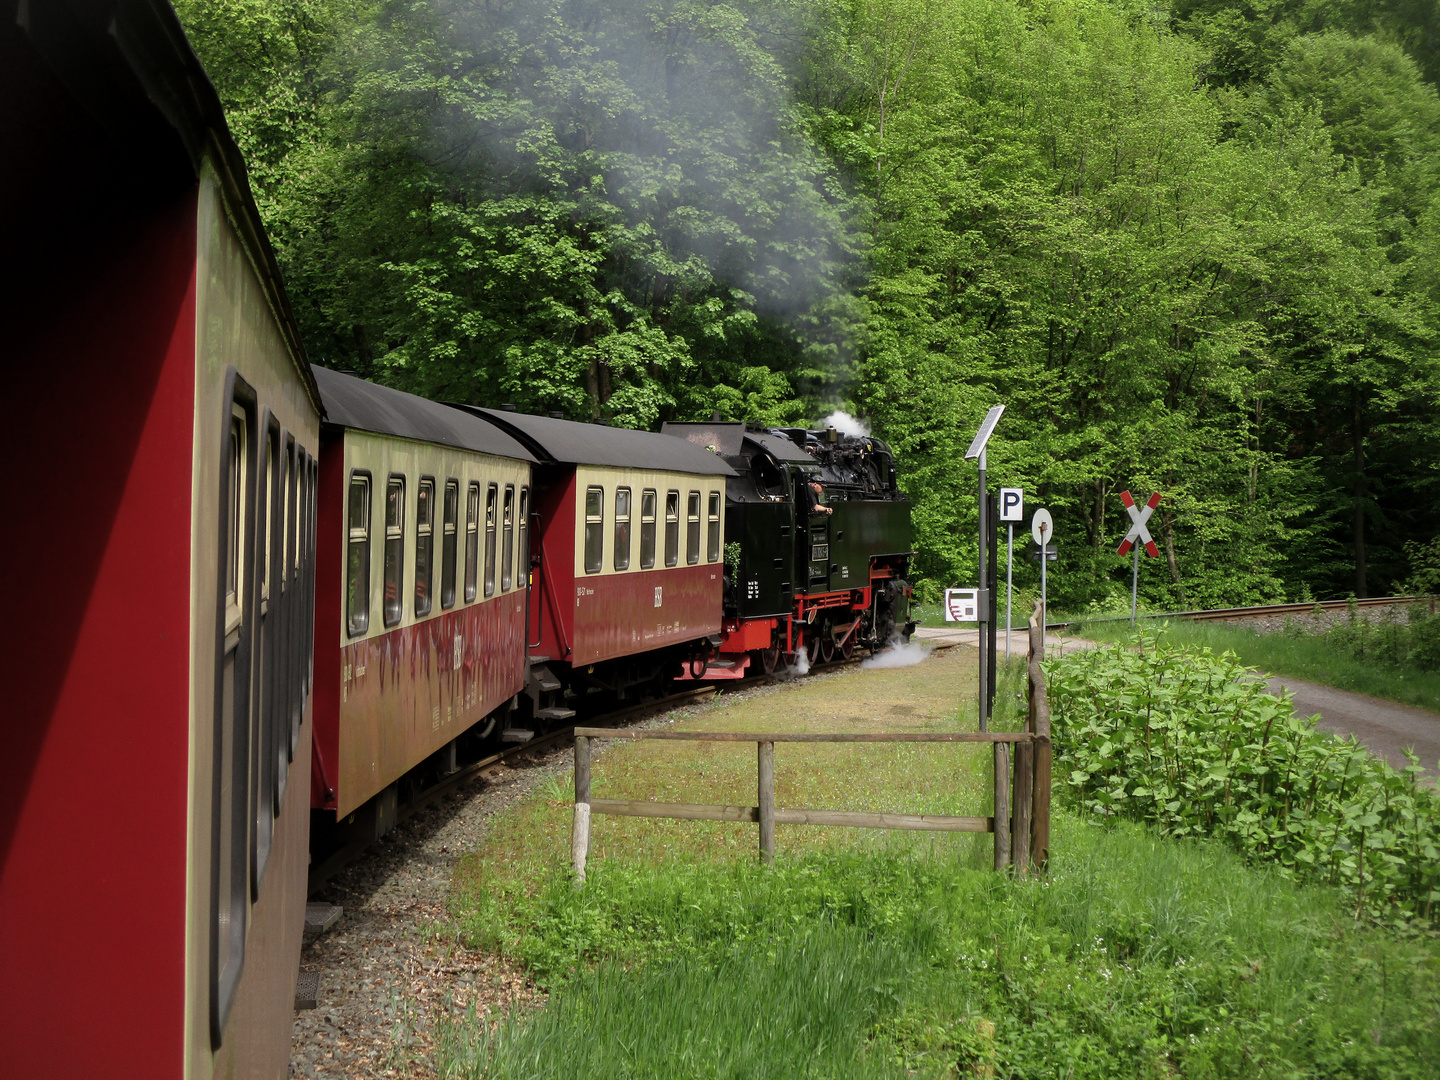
x,y
769,658
812,645
838,635
826,634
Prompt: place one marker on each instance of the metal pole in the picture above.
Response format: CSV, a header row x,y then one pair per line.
x,y
982,611
1044,603
1009,585
1134,584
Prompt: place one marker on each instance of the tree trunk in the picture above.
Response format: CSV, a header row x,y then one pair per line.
x,y
1167,532
1357,437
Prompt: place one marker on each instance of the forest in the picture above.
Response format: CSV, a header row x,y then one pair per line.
x,y
1192,246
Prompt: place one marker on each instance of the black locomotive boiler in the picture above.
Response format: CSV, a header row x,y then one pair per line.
x,y
818,546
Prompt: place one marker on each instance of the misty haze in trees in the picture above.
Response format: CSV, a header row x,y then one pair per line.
x,y
1193,249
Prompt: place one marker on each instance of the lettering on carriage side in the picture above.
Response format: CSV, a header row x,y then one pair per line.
x,y
658,595
459,649
359,670
581,590
435,718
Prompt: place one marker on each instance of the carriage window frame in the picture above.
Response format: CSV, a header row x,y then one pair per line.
x,y
672,528
394,572
472,541
492,508
357,616
623,506
424,546
449,530
594,529
648,497
712,527
507,539
692,528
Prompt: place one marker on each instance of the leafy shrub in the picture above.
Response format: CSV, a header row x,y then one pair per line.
x,y
1191,742
1388,642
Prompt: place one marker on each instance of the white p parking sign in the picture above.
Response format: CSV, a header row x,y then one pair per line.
x,y
1012,504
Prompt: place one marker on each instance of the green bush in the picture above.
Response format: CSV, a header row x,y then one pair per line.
x,y
1414,643
1191,742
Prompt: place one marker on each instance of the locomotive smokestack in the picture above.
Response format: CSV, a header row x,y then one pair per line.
x,y
831,435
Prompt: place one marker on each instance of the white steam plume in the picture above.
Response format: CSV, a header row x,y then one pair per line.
x,y
900,653
846,424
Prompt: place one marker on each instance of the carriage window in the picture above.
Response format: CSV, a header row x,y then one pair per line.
x,y
594,529
712,534
424,545
490,496
357,557
672,528
692,528
447,543
523,543
472,540
235,537
394,548
647,529
622,528
507,553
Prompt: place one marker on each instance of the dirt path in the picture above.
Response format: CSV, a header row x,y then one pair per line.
x,y
1383,726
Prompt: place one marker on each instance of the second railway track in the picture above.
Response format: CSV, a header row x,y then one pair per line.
x,y
1256,611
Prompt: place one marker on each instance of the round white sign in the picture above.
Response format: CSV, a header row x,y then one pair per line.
x,y
1042,528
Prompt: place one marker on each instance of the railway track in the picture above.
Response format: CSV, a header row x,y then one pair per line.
x,y
486,767
1255,612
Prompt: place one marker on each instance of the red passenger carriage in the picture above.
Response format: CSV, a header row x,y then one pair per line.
x,y
420,636
627,559
154,775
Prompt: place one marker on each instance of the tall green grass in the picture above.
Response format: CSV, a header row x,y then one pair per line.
x,y
1301,656
1137,956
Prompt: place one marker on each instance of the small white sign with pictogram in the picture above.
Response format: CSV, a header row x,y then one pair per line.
x,y
962,605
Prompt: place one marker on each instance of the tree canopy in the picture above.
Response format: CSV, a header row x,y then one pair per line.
x,y
1192,249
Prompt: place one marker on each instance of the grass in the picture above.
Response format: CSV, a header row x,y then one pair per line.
x,y
894,954
1298,656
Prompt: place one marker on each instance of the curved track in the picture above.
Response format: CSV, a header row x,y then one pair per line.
x,y
343,856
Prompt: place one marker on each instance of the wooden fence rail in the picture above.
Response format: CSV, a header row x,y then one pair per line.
x,y
1025,833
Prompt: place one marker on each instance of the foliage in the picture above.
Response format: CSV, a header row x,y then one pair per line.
x,y
1191,742
1136,957
1193,249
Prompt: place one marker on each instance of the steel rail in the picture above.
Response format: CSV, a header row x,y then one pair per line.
x,y
1254,612
347,854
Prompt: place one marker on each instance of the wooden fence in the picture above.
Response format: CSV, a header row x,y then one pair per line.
x,y
1021,838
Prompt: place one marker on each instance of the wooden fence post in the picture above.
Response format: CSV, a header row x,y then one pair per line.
x,y
1039,725
1002,806
580,833
767,800
1023,805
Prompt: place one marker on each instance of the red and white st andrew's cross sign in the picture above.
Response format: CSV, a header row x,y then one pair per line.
x,y
1138,517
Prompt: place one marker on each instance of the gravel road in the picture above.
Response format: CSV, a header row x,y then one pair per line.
x,y
1383,726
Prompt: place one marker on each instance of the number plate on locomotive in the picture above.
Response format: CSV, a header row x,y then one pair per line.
x,y
819,552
